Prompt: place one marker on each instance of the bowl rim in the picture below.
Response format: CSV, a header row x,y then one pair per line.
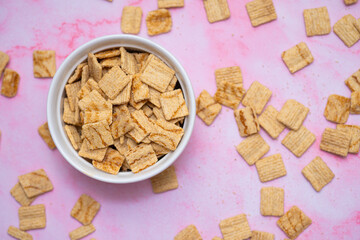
x,y
54,115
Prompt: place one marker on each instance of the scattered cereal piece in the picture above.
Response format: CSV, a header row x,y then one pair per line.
x,y
19,195
158,22
206,107
355,103
272,201
140,90
81,232
77,74
349,2
68,115
140,157
95,68
86,152
299,141
173,104
292,114
4,59
294,222
121,122
73,136
188,233
229,94
216,10
10,83
72,92
270,168
32,217
257,96
45,134
85,209
335,141
18,234
269,122
229,74
297,57
170,3
317,21
108,53
354,132
44,63
337,109
113,82
142,127
236,227
131,19
252,148
345,29
353,82
112,162
128,62
124,95
166,134
246,121
261,11
318,173
165,181
257,235
35,183
97,134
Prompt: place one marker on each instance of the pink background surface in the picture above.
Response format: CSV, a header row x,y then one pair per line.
x,y
214,181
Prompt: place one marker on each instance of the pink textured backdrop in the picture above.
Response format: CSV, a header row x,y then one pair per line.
x,y
215,183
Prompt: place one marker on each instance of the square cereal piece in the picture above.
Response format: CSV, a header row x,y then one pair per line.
x,y
115,52
44,63
173,104
166,134
355,103
81,232
45,134
256,97
317,21
292,114
229,74
128,62
35,183
124,95
77,74
335,141
229,94
206,107
257,235
135,105
252,148
68,115
32,217
86,152
122,122
236,227
261,11
165,181
18,234
95,69
269,122
91,116
354,132
141,157
272,201
159,150
270,168
113,82
157,74
97,134
297,57
110,62
93,101
4,59
158,22
216,10
88,87
85,209
349,2
337,108
353,82
74,136
318,173
346,30
293,222
188,233
131,19
246,121
112,162
19,195
299,141
10,83
170,3
139,89
72,92
142,128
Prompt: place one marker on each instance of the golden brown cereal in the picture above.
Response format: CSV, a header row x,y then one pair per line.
x,y
158,22
292,114
246,121
85,209
73,136
257,235
270,168
236,227
217,238
257,96
318,173
81,232
165,181
10,83
147,110
93,101
229,74
91,116
337,109
346,30
95,68
121,122
335,141
128,62
172,84
124,95
131,19
18,234
216,10
141,157
32,217
140,90
159,150
206,107
97,134
72,92
44,63
355,103
35,183
4,59
317,21
269,122
142,128
354,132
188,233
293,222
88,87
108,53
272,201
299,141
68,115
170,3
349,2
86,152
297,57
252,148
45,134
19,195
173,104
261,11
110,62
113,82
166,134
112,162
141,58
135,105
357,24
229,94
77,74
353,82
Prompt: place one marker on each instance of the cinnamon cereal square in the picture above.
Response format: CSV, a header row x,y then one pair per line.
x,y
297,57
44,63
190,232
355,103
299,141
353,82
170,3
206,107
269,122
317,21
32,217
294,222
165,181
158,22
97,134
246,121
113,82
292,114
131,19
272,201
166,134
216,10
261,11
270,168
85,209
236,227
337,108
354,132
173,104
35,183
335,141
141,157
257,96
111,163
229,74
318,173
10,83
346,30
229,94
252,148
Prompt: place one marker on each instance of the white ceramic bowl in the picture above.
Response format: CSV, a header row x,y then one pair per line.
x,y
57,93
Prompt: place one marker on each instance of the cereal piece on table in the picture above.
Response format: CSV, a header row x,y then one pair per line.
x,y
45,134
190,232
292,114
4,59
252,148
258,235
270,168
335,141
299,141
246,121
355,103
68,115
85,209
269,122
337,109
297,57
318,173
272,201
35,183
317,21
353,82
18,234
158,22
354,132
128,62
293,222
19,195
10,83
112,162
261,11
166,134
131,19
159,150
170,3
229,74
72,92
97,134
44,63
121,122
141,157
147,110
256,97
110,62
95,68
157,74
108,53
77,74
32,217
88,87
140,90
349,2
346,30
173,104
142,127
229,94
216,10
86,152
165,181
236,227
81,232
113,82
206,107
73,136
124,95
